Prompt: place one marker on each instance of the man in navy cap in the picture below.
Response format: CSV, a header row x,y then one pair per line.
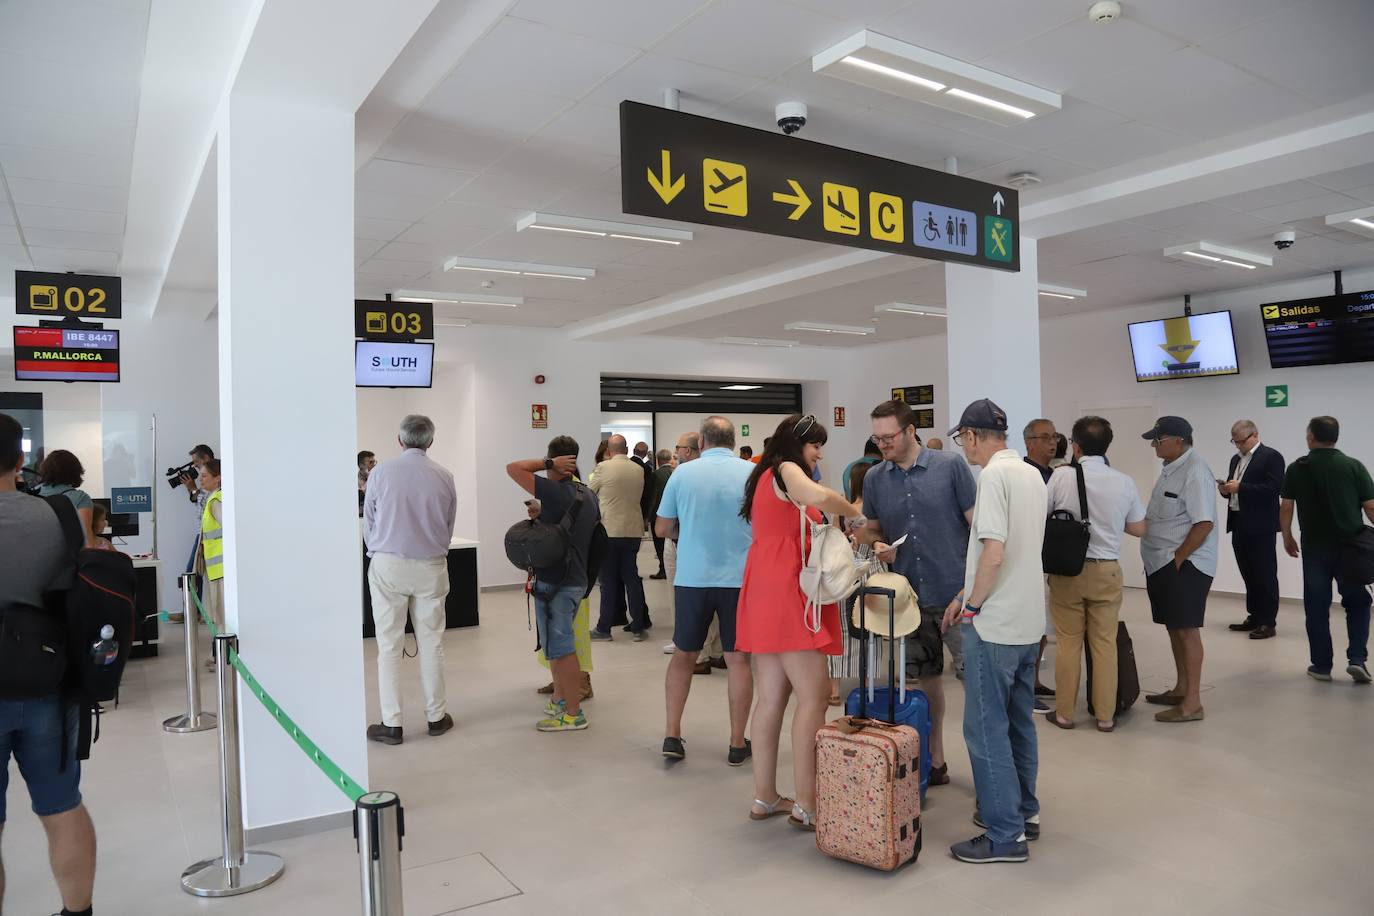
x,y
1180,555
1001,611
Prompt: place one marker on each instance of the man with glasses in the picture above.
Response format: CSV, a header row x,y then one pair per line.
x,y
1180,555
1251,489
925,499
1042,443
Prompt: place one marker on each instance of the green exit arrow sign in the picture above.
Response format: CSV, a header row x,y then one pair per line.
x,y
1275,395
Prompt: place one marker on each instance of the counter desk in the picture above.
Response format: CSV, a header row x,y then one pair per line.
x,y
461,608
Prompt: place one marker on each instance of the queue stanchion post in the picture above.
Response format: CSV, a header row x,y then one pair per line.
x,y
379,825
235,871
195,719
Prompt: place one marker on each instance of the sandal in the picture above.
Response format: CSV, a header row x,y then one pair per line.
x,y
801,818
836,700
773,810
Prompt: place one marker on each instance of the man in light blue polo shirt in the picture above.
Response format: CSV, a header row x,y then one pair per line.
x,y
703,497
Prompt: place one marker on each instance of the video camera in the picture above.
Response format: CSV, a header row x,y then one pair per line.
x,y
174,475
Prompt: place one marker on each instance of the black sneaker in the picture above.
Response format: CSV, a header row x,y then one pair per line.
x,y
982,849
674,748
384,734
1032,828
737,755
1359,672
599,636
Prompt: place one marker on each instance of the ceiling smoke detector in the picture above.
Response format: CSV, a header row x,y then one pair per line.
x,y
1023,180
1104,11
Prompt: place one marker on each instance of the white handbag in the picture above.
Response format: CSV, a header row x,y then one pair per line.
x,y
828,574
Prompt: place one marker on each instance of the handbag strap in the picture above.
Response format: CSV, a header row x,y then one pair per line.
x,y
1082,493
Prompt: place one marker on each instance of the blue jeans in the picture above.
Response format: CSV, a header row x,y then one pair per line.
x,y
33,731
1318,569
555,608
999,702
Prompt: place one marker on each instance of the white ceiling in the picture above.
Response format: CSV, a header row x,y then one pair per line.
x,y
69,91
525,119
541,133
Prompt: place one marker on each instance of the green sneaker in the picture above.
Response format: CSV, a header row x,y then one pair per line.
x,y
554,708
563,723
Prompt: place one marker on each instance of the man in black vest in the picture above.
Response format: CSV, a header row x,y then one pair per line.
x,y
1251,489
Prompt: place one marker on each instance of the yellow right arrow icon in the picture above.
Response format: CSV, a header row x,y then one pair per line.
x,y
666,187
1179,339
797,199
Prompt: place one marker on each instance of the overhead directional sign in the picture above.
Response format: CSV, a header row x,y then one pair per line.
x,y
393,321
697,170
67,295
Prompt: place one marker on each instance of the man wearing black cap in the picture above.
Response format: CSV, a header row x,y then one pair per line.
x,y
1180,555
1002,614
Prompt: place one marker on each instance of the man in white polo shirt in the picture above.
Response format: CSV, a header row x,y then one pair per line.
x,y
1002,612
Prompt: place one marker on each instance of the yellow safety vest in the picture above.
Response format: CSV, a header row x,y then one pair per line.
x,y
212,538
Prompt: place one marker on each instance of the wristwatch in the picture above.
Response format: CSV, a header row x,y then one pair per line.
x,y
548,464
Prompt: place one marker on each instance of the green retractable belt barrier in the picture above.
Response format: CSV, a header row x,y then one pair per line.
x,y
345,783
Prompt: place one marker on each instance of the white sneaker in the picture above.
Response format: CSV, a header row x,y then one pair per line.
x,y
669,649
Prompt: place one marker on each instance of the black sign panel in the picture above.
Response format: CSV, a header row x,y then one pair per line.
x,y
1320,332
925,418
915,394
697,170
67,295
394,321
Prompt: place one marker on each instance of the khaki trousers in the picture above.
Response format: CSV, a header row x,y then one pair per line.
x,y
1086,606
416,589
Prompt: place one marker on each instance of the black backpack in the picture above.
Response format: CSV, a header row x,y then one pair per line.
x,y
539,547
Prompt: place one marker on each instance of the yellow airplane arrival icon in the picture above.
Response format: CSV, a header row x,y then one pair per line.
x,y
667,187
797,199
1179,339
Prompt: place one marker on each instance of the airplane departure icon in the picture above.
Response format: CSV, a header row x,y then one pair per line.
x,y
724,183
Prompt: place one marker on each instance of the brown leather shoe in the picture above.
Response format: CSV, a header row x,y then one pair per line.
x,y
718,663
702,668
939,776
546,689
384,734
587,685
1263,632
438,728
1164,699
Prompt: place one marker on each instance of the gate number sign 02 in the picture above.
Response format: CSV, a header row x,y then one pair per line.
x,y
393,321
67,295
684,167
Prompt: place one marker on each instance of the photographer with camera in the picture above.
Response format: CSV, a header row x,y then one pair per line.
x,y
188,476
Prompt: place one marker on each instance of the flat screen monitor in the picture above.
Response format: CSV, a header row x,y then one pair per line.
x,y
66,355
1190,346
1320,332
393,365
122,524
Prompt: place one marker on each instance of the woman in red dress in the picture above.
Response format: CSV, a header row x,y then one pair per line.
x,y
771,619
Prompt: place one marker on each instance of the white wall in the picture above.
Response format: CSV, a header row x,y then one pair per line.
x,y
1086,360
672,425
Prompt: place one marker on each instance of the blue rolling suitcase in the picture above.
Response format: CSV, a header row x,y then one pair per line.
x,y
912,706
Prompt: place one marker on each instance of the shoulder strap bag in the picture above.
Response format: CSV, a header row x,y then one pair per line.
x,y
1066,538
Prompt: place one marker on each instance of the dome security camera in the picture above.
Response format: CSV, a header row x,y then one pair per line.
x,y
791,116
1285,239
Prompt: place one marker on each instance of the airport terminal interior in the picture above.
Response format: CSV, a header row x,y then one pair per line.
x,y
612,220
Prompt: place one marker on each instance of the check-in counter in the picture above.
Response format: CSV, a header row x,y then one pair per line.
x,y
461,608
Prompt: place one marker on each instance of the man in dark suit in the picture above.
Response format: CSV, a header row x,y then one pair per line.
x,y
1251,489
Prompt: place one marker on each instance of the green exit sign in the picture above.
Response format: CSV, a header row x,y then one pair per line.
x,y
1275,395
744,430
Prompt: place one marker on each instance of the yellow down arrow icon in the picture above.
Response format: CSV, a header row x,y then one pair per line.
x,y
666,187
797,199
1179,339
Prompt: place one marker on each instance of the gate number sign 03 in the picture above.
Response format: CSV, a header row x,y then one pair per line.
x,y
393,321
697,170
67,295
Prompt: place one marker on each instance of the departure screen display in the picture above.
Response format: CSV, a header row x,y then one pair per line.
x,y
1320,332
66,355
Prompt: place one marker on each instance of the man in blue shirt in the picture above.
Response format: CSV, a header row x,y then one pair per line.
x,y
927,497
703,497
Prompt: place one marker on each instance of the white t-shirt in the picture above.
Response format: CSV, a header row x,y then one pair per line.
x,y
1011,508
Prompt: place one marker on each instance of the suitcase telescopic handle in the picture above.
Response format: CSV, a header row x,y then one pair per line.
x,y
891,596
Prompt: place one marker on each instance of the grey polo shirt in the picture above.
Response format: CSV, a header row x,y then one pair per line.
x,y
926,503
1185,494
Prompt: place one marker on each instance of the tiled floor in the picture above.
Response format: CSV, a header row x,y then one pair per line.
x,y
1261,809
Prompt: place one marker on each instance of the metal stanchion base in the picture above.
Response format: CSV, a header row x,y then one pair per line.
x,y
212,879
183,724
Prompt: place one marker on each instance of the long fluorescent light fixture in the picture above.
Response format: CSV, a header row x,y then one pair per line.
x,y
740,387
687,394
454,323
1060,292
1210,254
1360,222
820,328
898,68
757,342
918,311
602,228
425,295
520,268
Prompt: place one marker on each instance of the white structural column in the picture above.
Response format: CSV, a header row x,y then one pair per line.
x,y
288,429
994,339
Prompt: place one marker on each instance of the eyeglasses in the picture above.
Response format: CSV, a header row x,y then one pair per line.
x,y
960,437
804,426
1243,439
1043,437
1158,439
888,440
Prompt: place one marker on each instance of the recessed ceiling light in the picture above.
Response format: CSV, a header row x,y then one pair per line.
x,y
919,311
638,400
686,394
1360,222
822,328
1211,254
603,228
740,387
454,323
757,342
424,295
1060,292
897,67
521,268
